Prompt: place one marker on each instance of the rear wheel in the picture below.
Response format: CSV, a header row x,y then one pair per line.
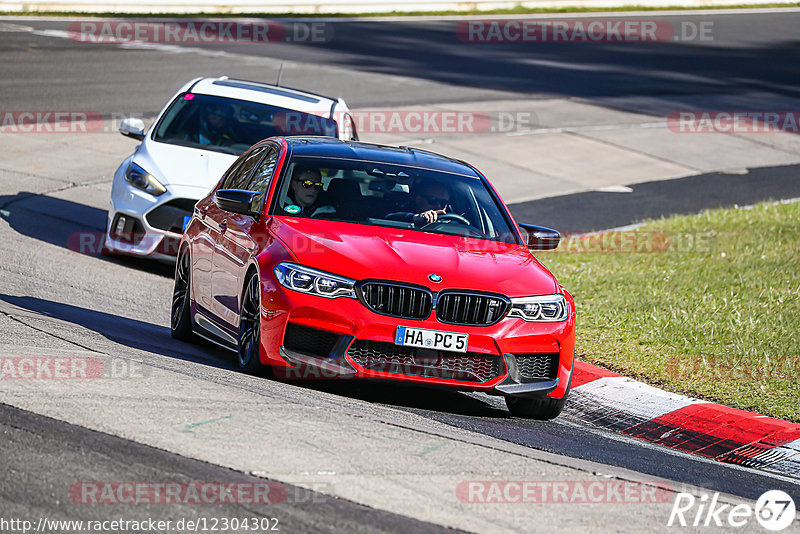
x,y
250,326
181,323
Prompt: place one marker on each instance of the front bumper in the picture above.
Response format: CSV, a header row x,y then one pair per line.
x,y
140,209
509,358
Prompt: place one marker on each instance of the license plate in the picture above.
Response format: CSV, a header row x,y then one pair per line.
x,y
431,339
186,219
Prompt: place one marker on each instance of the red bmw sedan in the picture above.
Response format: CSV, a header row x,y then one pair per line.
x,y
375,262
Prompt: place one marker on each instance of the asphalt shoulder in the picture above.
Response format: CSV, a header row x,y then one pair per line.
x,y
596,210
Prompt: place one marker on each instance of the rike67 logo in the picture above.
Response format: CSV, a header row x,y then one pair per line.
x,y
775,510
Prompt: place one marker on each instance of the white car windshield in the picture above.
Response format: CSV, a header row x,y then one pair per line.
x,y
233,126
383,194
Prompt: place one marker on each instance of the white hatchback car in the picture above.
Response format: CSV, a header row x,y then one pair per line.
x,y
196,137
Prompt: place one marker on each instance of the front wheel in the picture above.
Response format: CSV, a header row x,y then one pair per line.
x,y
250,326
542,409
181,323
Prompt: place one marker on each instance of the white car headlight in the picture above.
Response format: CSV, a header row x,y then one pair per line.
x,y
307,280
141,179
543,309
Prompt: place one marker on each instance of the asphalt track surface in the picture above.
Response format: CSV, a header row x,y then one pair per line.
x,y
750,53
45,456
429,63
597,210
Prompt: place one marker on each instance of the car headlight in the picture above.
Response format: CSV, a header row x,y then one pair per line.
x,y
141,179
307,280
544,309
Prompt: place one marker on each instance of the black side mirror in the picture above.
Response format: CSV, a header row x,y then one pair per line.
x,y
539,237
236,201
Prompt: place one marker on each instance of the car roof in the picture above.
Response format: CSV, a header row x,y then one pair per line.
x,y
264,93
329,147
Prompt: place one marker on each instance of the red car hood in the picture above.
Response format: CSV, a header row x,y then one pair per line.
x,y
362,251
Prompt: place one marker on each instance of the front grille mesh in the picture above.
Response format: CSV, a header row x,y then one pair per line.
x,y
396,300
390,358
309,341
470,309
169,216
537,366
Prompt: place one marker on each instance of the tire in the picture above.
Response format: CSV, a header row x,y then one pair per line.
x,y
104,250
542,409
181,320
250,326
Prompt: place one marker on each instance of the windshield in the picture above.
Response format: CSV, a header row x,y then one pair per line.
x,y
233,126
382,194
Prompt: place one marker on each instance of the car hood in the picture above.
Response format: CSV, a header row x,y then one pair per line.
x,y
179,165
362,251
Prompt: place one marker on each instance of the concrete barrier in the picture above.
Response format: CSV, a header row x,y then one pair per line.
x,y
308,7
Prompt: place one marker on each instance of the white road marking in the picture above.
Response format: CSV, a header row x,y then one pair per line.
x,y
593,128
14,28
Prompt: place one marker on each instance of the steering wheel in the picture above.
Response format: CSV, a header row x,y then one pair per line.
x,y
450,218
447,218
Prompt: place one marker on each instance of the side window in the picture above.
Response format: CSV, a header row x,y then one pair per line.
x,y
262,177
232,171
238,179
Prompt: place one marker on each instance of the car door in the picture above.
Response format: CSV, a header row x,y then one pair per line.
x,y
204,242
235,244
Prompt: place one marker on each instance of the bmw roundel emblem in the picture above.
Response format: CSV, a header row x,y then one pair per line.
x,y
435,278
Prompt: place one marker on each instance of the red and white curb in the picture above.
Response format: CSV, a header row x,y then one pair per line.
x,y
606,399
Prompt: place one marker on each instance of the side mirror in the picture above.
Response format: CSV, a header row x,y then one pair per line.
x,y
236,201
539,237
132,128
350,128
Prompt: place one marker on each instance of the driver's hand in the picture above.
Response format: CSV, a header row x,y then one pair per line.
x,y
429,216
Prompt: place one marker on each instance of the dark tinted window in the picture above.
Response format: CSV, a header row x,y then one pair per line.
x,y
385,194
232,126
240,178
261,179
231,172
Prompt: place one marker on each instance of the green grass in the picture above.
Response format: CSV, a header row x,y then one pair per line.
x,y
715,314
512,11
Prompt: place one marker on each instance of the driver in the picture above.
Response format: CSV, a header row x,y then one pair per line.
x,y
215,126
430,202
304,190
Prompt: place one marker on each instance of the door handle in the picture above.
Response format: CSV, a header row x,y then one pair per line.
x,y
202,213
223,226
